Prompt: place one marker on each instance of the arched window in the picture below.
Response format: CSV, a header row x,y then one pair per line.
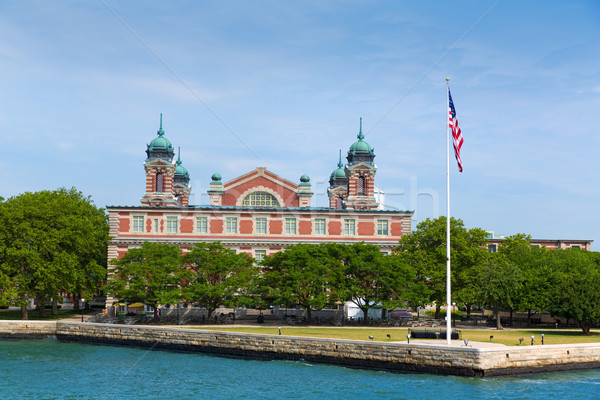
x,y
260,199
361,185
159,182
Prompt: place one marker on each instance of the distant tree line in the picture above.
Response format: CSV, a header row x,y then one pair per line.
x,y
520,277
310,276
53,243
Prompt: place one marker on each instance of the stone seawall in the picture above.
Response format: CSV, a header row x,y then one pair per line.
x,y
438,359
27,329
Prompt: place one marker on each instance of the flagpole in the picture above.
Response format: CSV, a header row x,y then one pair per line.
x,y
448,309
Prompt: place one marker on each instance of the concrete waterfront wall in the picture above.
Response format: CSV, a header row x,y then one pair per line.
x,y
27,329
438,359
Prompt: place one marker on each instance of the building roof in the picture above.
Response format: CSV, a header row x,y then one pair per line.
x,y
262,209
160,146
360,151
181,173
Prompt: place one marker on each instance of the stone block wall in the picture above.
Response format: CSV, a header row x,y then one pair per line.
x,y
27,329
429,358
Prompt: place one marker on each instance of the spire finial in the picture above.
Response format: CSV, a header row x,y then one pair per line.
x,y
160,130
340,165
360,134
178,155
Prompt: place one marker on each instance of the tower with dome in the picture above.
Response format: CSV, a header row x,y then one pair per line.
x,y
258,212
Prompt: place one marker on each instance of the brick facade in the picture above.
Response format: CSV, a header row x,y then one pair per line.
x,y
258,210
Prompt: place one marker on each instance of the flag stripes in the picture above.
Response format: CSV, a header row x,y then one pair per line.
x,y
457,138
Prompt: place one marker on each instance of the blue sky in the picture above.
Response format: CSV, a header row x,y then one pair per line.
x,y
283,85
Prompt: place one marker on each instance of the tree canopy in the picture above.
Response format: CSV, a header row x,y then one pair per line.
x,y
575,287
535,273
302,275
425,250
499,284
374,280
217,276
51,242
151,274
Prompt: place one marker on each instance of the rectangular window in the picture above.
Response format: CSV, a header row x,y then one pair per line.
x,y
349,227
261,226
231,225
138,224
259,255
201,225
171,224
361,185
156,225
290,226
382,227
320,226
492,248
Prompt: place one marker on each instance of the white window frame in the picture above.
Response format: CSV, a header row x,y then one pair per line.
x,y
261,222
262,253
169,220
349,227
383,223
290,222
135,223
201,224
260,199
231,225
319,221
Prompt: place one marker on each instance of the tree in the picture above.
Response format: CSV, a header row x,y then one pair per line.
x,y
217,276
536,274
425,250
575,289
373,280
499,283
303,274
151,275
52,242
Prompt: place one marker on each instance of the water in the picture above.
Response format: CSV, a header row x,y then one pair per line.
x,y
48,369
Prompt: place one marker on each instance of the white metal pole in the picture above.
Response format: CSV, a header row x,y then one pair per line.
x,y
448,309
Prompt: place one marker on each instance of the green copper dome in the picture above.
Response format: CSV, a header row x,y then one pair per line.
x,y
304,180
361,147
360,151
338,173
181,173
160,147
216,177
338,176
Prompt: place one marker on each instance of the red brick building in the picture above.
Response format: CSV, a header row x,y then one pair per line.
x,y
258,212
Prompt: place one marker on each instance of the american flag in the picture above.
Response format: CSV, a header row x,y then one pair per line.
x,y
457,138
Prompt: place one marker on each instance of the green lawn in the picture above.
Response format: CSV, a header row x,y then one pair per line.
x,y
33,314
508,337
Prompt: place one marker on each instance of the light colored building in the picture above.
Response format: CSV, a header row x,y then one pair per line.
x,y
495,241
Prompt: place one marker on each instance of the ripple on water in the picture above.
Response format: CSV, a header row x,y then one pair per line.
x,y
48,369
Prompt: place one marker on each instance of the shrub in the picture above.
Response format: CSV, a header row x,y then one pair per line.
x,y
455,313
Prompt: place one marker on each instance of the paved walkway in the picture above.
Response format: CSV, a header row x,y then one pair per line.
x,y
456,343
77,317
